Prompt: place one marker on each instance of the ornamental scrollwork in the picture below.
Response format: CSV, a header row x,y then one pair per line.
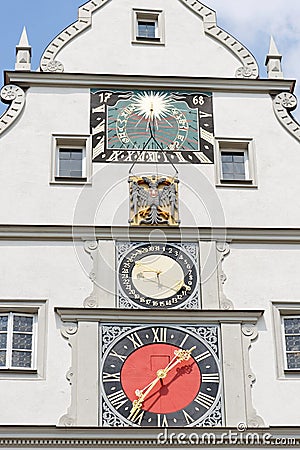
x,y
283,104
68,329
16,97
249,334
109,418
54,66
110,333
209,334
223,250
215,418
245,72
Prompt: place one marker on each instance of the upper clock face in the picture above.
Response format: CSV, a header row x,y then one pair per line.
x,y
158,275
159,376
181,126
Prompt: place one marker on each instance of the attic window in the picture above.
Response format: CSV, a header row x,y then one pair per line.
x,y
147,27
235,162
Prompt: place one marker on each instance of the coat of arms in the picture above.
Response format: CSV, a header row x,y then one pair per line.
x,y
153,200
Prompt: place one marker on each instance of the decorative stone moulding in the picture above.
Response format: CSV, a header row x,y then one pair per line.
x,y
249,334
84,21
249,67
284,103
16,97
223,250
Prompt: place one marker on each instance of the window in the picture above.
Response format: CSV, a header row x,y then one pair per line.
x,y
17,340
148,27
23,329
71,160
233,165
286,319
235,162
291,333
70,163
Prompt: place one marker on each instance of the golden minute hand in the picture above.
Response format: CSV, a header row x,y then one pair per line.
x,y
141,394
151,269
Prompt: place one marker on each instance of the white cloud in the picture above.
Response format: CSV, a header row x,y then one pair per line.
x,y
253,23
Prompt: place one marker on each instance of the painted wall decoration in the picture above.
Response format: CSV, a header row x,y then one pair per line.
x,y
152,126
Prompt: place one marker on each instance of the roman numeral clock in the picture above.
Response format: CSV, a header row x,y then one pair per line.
x,y
160,375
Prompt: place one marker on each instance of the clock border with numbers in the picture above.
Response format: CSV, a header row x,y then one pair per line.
x,y
119,126
119,341
185,254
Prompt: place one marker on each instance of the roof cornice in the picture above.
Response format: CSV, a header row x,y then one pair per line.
x,y
48,79
185,234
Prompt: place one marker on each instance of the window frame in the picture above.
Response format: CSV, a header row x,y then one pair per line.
x,y
37,308
145,15
71,142
9,342
284,334
236,145
282,310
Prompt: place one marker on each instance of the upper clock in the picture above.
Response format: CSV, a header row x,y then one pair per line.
x,y
158,275
181,123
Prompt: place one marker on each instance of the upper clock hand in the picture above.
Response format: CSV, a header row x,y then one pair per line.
x,y
149,268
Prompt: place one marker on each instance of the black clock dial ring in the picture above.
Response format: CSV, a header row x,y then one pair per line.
x,y
157,275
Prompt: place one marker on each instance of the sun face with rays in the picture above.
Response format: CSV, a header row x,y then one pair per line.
x,y
152,106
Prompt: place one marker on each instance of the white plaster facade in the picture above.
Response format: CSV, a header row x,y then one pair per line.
x,y
58,239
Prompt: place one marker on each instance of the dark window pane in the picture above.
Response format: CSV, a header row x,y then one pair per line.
x,y
293,360
64,155
292,343
76,154
23,323
22,341
146,29
238,157
2,359
227,168
292,326
233,165
3,323
227,157
21,359
70,163
3,341
239,168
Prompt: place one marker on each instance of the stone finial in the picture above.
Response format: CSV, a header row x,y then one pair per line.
x,y
273,61
23,53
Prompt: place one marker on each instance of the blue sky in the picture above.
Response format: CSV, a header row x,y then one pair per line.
x,y
250,22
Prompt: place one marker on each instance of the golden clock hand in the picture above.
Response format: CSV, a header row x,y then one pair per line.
x,y
159,284
151,269
179,356
137,404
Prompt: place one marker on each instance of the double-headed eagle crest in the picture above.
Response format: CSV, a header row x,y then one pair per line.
x,y
153,200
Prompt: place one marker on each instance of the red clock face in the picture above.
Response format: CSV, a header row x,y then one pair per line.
x,y
145,380
170,394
